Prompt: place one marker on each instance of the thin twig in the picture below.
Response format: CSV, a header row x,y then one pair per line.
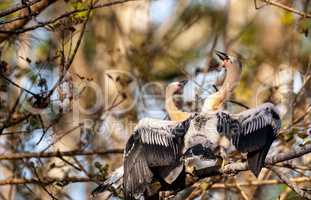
x,y
42,185
260,182
16,85
48,180
238,186
290,184
61,136
65,15
29,155
287,8
72,56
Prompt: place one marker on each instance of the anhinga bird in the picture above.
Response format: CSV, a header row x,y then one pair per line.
x,y
155,144
161,145
233,68
156,147
153,150
174,113
251,131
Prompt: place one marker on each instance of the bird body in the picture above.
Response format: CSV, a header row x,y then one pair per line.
x,y
155,143
202,130
251,132
164,145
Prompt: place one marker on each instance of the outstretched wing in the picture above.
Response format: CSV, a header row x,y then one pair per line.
x,y
253,131
151,145
258,127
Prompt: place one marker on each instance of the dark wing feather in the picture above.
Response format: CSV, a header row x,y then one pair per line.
x,y
253,132
258,127
148,147
136,171
256,159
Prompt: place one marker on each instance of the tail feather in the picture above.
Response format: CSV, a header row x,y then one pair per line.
x,y
256,159
112,180
101,188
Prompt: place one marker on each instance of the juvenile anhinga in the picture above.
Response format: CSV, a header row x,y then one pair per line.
x,y
155,144
233,68
175,113
155,148
251,131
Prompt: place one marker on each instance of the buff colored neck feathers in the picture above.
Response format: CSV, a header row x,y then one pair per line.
x,y
233,76
215,101
170,106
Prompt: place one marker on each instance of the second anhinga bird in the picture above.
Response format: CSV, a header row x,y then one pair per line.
x,y
251,131
155,144
154,149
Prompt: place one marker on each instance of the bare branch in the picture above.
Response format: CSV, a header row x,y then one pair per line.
x,y
54,20
259,182
28,155
17,7
290,184
242,166
48,181
36,8
289,156
287,8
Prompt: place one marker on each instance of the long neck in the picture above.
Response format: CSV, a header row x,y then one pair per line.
x,y
174,113
217,100
231,81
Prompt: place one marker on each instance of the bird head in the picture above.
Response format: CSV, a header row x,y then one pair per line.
x,y
233,68
176,87
228,61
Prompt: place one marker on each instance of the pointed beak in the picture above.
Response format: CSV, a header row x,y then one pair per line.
x,y
183,83
222,56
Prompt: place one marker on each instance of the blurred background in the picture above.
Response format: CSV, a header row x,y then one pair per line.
x,y
93,88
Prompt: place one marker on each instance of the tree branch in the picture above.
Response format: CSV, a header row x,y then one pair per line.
x,y
36,9
26,155
284,7
242,166
48,180
54,20
260,182
290,184
17,7
288,156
